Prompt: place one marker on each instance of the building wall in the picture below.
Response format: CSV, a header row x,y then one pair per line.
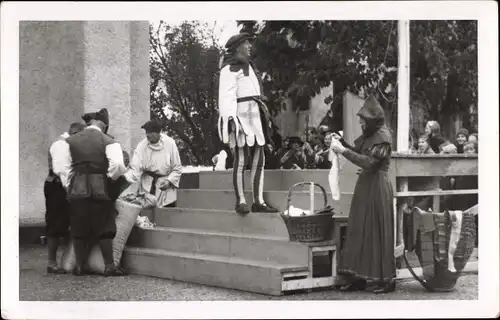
x,y
293,123
67,68
50,98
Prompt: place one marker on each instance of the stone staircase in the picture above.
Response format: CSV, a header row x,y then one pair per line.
x,y
204,241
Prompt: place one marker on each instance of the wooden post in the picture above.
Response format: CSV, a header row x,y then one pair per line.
x,y
403,84
403,113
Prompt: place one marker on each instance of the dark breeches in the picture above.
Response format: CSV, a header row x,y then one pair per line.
x,y
57,214
93,218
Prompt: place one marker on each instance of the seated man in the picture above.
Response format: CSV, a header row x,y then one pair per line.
x,y
157,164
293,158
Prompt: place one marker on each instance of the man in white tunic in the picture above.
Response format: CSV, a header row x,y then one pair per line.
x,y
157,164
243,121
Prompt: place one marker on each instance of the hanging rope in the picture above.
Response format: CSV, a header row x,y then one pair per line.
x,y
382,67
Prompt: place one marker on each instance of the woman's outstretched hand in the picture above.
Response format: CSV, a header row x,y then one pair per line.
x,y
336,146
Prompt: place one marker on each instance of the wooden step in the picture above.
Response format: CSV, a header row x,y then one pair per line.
x,y
253,247
277,179
225,200
233,273
260,223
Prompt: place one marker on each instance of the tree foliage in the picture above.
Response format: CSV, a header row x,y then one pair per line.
x,y
444,69
301,57
184,82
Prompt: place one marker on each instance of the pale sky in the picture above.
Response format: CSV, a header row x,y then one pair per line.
x,y
226,28
223,29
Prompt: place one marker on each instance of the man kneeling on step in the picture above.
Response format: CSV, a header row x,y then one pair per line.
x,y
156,163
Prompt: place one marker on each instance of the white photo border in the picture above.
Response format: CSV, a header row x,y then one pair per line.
x,y
484,11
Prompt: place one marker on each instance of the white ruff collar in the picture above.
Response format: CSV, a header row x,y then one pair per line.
x,y
157,146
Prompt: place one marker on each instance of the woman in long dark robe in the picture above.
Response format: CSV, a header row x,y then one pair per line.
x,y
368,253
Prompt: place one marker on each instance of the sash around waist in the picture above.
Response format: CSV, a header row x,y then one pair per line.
x,y
249,98
374,171
154,175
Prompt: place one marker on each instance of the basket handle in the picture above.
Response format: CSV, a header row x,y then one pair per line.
x,y
312,184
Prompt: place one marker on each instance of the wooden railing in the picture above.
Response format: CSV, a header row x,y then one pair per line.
x,y
407,166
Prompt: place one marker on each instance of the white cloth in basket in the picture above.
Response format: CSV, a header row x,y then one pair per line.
x,y
297,212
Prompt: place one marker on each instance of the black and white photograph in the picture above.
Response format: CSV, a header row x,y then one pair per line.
x,y
269,159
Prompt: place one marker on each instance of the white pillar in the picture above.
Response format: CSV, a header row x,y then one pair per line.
x,y
403,84
403,103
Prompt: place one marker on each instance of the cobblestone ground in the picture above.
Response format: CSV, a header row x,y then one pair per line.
x,y
36,285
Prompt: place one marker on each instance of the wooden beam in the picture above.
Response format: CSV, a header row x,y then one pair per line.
x,y
435,193
403,85
436,167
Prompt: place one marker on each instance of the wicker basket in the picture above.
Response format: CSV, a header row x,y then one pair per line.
x,y
309,228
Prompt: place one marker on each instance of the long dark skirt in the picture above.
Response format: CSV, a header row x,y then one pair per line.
x,y
368,252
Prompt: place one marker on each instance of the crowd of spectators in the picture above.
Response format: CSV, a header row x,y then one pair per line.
x,y
313,152
432,141
296,153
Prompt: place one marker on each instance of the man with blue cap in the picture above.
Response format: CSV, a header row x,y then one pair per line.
x,y
243,120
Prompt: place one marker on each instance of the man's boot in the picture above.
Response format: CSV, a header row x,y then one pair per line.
x,y
242,208
263,207
81,256
53,244
107,253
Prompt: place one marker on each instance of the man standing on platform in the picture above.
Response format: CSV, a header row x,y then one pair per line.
x,y
56,204
244,122
157,164
85,163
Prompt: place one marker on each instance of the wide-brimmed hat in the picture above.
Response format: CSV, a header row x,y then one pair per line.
x,y
295,140
103,116
88,116
237,39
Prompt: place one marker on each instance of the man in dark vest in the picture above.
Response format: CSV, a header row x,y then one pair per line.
x,y
89,159
115,186
56,204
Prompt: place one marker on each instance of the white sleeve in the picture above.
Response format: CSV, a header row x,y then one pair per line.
x,y
176,166
61,161
115,159
134,172
227,92
228,86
